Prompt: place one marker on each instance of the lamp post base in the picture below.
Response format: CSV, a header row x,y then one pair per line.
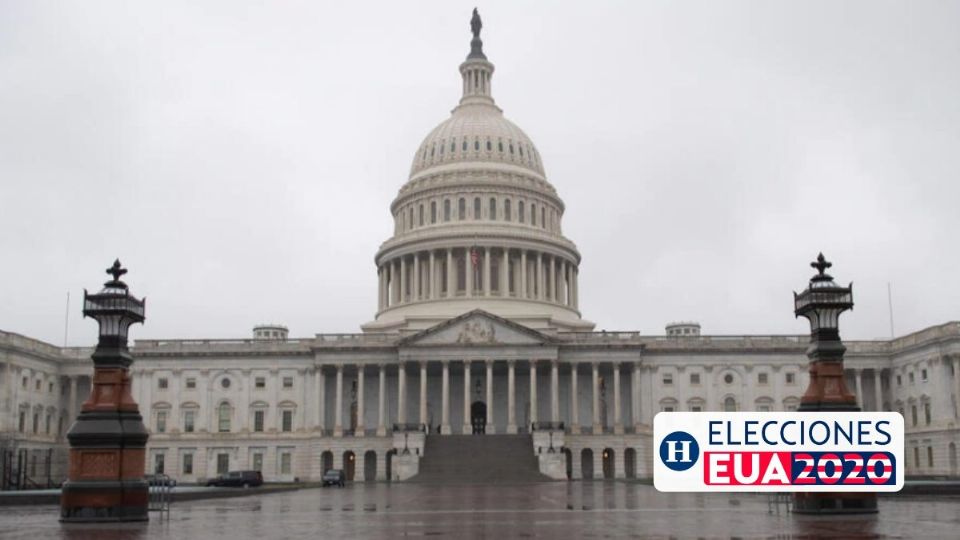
x,y
104,501
834,503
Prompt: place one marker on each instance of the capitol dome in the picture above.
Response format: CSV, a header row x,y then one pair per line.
x,y
477,225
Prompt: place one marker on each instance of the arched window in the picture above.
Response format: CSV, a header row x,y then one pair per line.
x,y
441,147
729,405
500,146
493,208
462,209
521,218
446,210
464,148
543,217
476,208
506,210
476,144
489,145
511,147
420,216
223,418
433,150
533,214
433,211
453,145
409,218
520,148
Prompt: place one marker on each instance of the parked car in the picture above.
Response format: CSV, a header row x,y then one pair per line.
x,y
334,477
159,480
237,479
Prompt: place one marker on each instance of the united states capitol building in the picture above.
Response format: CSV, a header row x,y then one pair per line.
x,y
477,334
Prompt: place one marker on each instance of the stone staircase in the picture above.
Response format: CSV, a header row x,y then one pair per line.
x,y
478,459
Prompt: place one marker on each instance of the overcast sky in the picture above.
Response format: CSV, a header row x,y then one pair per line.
x,y
240,157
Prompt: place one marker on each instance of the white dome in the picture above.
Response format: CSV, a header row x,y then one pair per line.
x,y
477,132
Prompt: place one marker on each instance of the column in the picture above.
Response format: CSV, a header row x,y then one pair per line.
x,y
523,273
467,428
382,403
451,275
574,401
359,432
403,280
858,373
617,418
486,271
553,279
401,394
322,400
635,395
554,391
539,277
71,407
469,270
423,395
505,273
534,409
595,396
416,278
511,397
338,406
432,290
445,400
490,428
877,389
956,382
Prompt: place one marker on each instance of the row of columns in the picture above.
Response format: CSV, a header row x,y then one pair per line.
x,y
512,427
12,374
555,279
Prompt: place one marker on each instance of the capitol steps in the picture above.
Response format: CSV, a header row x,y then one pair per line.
x,y
478,459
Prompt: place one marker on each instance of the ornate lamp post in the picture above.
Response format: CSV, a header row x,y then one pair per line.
x,y
108,439
822,303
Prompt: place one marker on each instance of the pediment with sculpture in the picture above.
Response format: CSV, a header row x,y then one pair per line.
x,y
477,328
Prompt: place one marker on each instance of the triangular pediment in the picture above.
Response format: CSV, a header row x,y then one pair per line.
x,y
477,328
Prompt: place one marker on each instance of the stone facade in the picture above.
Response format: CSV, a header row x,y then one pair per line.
x,y
477,328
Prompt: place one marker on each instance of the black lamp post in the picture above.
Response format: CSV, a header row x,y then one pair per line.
x,y
822,303
108,440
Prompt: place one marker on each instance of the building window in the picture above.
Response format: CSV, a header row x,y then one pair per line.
x,y
50,387
288,382
161,421
420,215
476,208
923,375
258,421
668,408
462,209
533,214
225,383
791,378
899,380
696,408
507,214
694,378
223,463
520,216
23,421
191,383
912,378
433,209
285,463
446,210
728,378
260,382
223,418
37,386
930,456
47,424
188,421
158,463
543,217
761,378
162,383
667,379
187,464
287,421
913,414
730,405
926,413
916,456
25,381
257,461
36,422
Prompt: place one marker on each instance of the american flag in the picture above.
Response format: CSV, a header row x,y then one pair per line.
x,y
474,256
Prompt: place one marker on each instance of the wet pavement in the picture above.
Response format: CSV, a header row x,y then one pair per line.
x,y
547,510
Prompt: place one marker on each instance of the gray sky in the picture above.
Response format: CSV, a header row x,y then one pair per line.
x,y
240,157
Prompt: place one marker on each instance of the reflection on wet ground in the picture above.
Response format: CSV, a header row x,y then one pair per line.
x,y
548,510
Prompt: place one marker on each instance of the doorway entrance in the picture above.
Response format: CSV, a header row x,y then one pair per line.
x,y
369,466
349,465
478,417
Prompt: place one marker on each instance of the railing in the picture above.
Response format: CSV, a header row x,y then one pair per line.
x,y
547,426
409,428
160,487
